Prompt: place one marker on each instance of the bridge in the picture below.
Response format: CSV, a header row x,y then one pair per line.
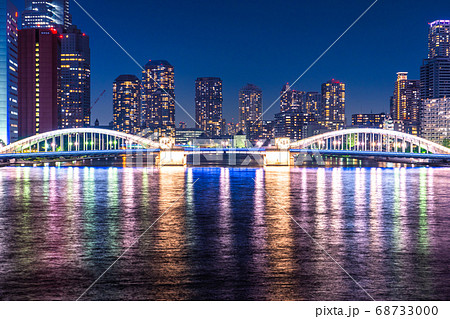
x,y
92,143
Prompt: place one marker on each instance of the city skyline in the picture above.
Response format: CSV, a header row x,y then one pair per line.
x,y
374,83
158,110
264,151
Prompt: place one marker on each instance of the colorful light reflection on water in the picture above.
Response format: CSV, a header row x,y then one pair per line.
x,y
225,238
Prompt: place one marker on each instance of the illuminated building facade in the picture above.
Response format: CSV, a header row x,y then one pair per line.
x,y
127,104
208,105
188,136
75,109
369,120
394,125
39,85
46,14
260,132
435,120
439,39
250,106
435,71
293,125
291,100
158,97
435,78
9,122
405,105
333,105
232,128
312,104
268,129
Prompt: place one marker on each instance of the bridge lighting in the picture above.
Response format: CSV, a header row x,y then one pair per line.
x,y
332,138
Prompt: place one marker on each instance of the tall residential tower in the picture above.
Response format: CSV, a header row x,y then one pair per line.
x,y
439,39
291,100
250,106
406,103
208,105
127,104
435,71
312,104
75,104
333,105
158,97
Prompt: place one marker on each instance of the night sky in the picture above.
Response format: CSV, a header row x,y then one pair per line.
x,y
267,43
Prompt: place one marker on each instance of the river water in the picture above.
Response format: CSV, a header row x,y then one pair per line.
x,y
224,233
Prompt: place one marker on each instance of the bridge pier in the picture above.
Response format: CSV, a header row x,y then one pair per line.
x,y
278,158
281,155
171,157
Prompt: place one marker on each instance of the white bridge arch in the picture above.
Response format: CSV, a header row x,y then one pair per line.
x,y
370,140
80,139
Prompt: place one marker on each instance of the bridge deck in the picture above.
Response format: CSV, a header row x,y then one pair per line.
x,y
372,154
249,151
74,154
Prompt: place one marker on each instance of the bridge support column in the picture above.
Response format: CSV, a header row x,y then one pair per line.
x,y
171,158
280,155
278,158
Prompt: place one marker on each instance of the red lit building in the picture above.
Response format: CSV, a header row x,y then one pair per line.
x,y
39,64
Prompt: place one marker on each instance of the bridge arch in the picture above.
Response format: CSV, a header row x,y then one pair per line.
x,y
80,139
371,140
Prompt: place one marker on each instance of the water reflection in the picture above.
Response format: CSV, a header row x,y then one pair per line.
x,y
423,206
259,262
224,237
280,242
129,206
169,248
113,202
360,208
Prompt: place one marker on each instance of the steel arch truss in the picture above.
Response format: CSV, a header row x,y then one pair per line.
x,y
81,139
371,140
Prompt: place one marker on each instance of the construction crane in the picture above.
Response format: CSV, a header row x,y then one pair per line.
x,y
98,99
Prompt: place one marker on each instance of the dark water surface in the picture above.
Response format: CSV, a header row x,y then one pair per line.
x,y
224,238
